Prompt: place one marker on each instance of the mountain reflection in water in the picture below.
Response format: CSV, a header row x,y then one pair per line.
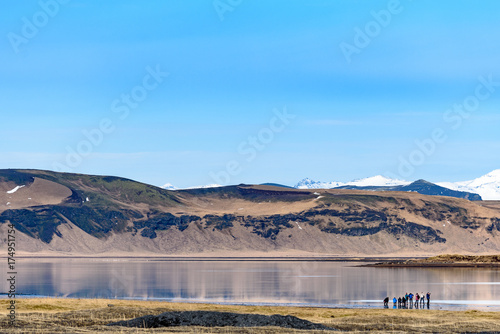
x,y
328,284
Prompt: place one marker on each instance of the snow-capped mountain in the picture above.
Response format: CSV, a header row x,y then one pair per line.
x,y
307,183
207,186
376,181
488,186
169,186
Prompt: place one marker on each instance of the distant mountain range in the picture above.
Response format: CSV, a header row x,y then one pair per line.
x,y
422,187
310,184
487,186
374,181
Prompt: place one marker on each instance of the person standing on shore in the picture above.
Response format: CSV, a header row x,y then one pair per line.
x,y
422,299
428,297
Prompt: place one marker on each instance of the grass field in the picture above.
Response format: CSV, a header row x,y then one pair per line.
x,y
53,315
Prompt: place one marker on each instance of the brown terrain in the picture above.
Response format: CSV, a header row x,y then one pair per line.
x,y
80,215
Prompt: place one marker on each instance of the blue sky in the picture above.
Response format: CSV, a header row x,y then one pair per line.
x,y
231,66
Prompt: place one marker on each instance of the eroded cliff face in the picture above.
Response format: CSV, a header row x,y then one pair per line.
x,y
83,214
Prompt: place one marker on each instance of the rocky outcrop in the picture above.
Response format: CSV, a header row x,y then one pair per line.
x,y
219,319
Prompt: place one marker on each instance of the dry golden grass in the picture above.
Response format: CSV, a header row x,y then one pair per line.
x,y
53,315
457,258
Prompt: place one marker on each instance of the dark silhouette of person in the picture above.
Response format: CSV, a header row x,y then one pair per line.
x,y
386,302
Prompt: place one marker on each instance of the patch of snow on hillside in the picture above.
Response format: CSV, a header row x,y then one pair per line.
x,y
14,190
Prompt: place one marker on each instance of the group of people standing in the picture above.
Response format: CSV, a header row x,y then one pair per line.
x,y
407,300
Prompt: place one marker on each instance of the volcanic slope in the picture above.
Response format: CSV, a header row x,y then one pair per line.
x,y
76,214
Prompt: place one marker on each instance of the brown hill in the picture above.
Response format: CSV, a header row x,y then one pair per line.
x,y
74,214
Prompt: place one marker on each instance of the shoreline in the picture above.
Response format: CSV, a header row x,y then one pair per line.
x,y
230,258
443,261
433,265
386,260
370,261
436,305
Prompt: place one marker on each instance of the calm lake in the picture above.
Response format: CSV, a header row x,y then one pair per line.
x,y
327,284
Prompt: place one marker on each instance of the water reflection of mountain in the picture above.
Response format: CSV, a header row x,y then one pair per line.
x,y
323,283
